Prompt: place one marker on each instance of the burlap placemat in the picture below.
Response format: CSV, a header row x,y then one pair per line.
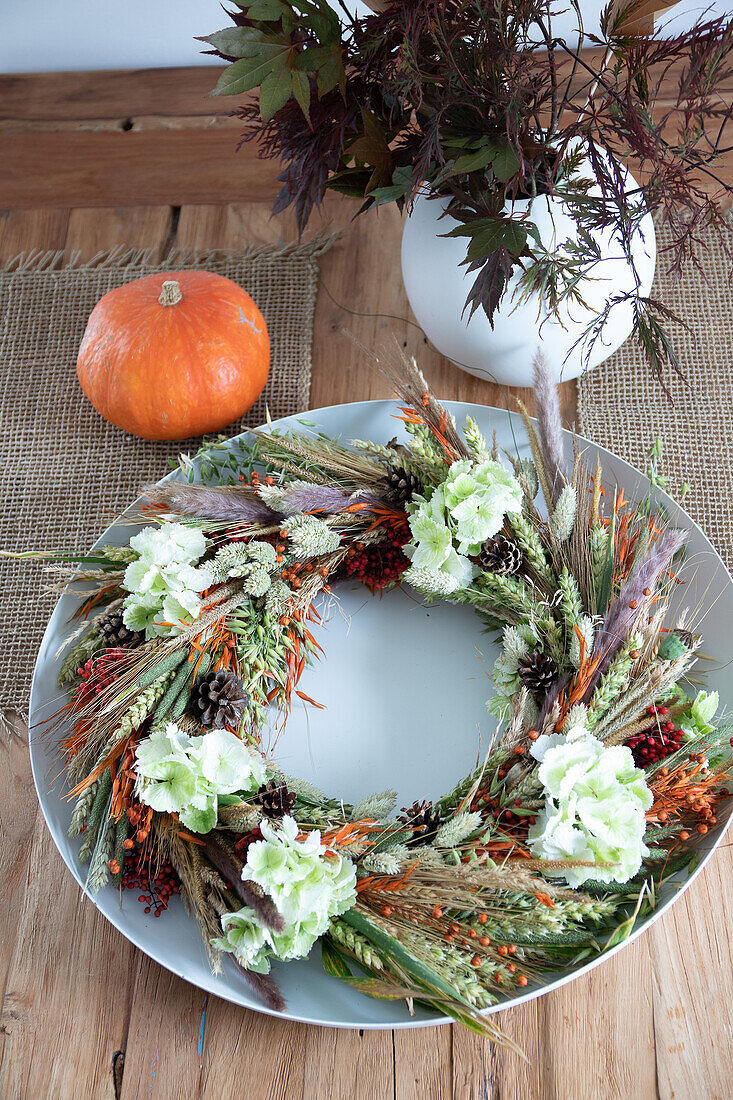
x,y
623,407
66,473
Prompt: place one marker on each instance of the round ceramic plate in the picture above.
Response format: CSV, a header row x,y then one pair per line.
x,y
404,687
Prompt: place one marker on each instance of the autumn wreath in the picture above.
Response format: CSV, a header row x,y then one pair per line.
x,y
604,765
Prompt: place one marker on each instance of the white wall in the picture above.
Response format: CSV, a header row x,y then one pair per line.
x,y
53,35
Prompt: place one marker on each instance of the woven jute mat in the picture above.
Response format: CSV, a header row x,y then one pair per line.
x,y
65,472
622,407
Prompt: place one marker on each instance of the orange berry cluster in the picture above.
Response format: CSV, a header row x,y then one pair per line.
x,y
687,790
293,574
465,936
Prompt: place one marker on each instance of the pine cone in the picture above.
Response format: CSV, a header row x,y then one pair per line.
x,y
275,799
501,555
400,485
424,821
537,671
116,635
219,699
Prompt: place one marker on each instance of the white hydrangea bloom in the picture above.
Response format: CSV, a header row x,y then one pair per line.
x,y
478,496
595,802
307,883
310,537
697,719
452,521
185,775
169,544
163,583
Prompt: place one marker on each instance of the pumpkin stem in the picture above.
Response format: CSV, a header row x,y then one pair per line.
x,y
170,293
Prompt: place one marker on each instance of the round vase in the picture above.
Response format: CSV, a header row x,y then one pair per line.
x,y
437,286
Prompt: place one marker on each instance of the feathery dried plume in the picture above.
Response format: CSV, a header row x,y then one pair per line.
x,y
313,498
323,498
227,504
625,608
563,514
549,425
374,807
226,862
263,985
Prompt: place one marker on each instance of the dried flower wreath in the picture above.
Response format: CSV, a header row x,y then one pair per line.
x,y
604,766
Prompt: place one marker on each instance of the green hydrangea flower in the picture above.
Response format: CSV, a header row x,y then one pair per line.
x,y
451,522
477,498
163,583
185,775
595,802
308,884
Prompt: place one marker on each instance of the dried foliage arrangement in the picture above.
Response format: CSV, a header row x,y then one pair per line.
x,y
484,103
606,763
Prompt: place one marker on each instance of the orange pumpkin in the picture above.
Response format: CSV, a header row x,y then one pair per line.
x,y
172,356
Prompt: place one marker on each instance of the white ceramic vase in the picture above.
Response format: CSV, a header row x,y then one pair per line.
x,y
437,287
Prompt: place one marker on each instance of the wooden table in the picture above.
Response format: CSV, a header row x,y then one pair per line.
x,y
90,161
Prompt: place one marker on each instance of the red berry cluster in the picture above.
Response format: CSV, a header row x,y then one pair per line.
x,y
377,565
98,672
158,890
513,824
661,739
243,842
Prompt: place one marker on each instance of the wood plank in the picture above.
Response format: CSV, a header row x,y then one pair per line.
x,y
118,94
80,138
32,230
65,970
161,1044
100,230
26,231
597,1032
691,950
113,94
64,1007
129,168
422,1061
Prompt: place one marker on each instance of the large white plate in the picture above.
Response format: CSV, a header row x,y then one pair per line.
x,y
405,688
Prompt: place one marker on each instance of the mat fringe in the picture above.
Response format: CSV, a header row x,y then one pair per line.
x,y
8,721
139,258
